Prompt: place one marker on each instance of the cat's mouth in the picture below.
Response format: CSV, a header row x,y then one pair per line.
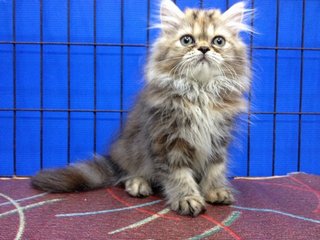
x,y
203,60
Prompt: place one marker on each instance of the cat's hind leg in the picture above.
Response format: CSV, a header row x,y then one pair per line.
x,y
138,187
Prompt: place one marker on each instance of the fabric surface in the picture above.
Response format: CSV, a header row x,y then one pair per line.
x,y
266,208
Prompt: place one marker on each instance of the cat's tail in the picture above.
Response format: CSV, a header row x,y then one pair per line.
x,y
83,176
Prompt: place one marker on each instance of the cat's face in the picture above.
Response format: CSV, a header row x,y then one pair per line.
x,y
201,44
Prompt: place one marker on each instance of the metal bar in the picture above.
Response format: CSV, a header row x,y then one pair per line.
x,y
121,61
14,63
274,135
69,78
77,43
58,110
249,99
95,76
286,113
125,111
285,48
41,84
301,85
200,3
148,26
95,44
142,45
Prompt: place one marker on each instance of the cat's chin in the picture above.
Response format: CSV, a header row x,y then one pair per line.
x,y
203,62
204,70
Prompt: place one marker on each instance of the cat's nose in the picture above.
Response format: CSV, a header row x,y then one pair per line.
x,y
204,49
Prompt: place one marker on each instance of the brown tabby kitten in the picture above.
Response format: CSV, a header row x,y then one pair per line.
x,y
176,136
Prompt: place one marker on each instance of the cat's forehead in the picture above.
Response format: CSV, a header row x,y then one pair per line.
x,y
203,23
204,16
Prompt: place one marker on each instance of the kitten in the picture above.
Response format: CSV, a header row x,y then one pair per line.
x,y
177,134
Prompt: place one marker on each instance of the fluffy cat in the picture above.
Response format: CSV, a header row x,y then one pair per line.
x,y
177,134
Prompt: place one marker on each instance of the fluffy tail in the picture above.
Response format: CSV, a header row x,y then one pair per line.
x,y
82,176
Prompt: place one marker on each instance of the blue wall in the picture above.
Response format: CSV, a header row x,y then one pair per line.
x,y
84,76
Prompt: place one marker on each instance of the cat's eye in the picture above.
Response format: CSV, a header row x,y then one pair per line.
x,y
218,41
187,40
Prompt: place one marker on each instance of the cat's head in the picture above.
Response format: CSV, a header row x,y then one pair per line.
x,y
200,45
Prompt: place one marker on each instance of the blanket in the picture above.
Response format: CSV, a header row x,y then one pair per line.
x,y
284,207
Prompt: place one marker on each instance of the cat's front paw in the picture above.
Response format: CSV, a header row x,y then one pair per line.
x,y
189,205
138,187
220,196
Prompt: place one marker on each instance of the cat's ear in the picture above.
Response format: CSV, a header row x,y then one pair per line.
x,y
236,17
170,16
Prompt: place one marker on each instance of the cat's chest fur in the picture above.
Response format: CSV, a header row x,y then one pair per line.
x,y
208,124
195,117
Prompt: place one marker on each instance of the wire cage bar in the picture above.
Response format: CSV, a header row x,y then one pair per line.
x,y
70,43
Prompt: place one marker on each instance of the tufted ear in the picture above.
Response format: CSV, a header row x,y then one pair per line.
x,y
170,16
236,16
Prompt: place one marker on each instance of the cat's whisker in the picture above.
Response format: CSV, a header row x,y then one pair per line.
x,y
223,75
189,66
235,76
232,58
230,70
182,69
170,59
176,68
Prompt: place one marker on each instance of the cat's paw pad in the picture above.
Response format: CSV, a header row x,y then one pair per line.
x,y
138,187
189,205
220,196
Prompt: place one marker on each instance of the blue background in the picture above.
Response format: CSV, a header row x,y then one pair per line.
x,y
82,76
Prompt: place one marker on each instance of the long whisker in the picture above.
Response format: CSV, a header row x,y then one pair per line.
x,y
169,59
